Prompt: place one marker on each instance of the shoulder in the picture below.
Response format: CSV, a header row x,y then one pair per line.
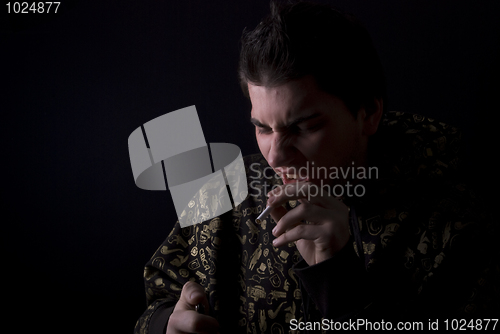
x,y
421,142
411,123
424,179
421,183
411,148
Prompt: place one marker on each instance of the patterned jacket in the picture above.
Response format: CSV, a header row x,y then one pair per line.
x,y
420,247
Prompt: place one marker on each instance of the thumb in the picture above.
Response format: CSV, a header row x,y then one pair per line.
x,y
193,294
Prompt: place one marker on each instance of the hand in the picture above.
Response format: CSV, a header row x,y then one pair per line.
x,y
185,319
327,228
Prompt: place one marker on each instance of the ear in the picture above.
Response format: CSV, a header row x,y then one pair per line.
x,y
372,120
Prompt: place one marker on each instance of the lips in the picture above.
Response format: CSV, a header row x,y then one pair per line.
x,y
289,178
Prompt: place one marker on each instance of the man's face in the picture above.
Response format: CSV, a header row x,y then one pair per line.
x,y
297,125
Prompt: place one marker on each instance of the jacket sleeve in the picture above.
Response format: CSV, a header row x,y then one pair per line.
x,y
155,319
442,267
337,286
164,275
193,253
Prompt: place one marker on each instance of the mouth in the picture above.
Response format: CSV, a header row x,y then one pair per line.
x,y
290,178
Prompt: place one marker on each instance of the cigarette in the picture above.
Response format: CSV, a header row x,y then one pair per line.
x,y
263,215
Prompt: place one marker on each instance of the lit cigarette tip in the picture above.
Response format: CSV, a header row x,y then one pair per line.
x,y
263,214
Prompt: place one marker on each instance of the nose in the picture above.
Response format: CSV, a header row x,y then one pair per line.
x,y
281,152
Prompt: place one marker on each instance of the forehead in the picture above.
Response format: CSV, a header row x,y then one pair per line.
x,y
286,100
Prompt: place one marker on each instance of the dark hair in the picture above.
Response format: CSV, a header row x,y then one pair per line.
x,y
305,38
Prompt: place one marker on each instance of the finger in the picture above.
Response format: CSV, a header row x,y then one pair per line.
x,y
189,321
326,226
305,212
302,190
278,212
301,231
192,294
185,319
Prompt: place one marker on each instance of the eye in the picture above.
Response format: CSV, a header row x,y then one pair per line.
x,y
303,129
311,128
263,130
296,129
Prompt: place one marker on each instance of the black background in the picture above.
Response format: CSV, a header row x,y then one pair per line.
x,y
76,231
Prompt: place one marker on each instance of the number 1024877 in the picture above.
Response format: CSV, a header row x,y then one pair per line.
x,y
473,324
32,7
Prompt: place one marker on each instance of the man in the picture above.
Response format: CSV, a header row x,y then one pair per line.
x,y
394,236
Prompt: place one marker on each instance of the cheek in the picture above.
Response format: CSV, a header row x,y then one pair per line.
x,y
313,145
264,144
327,148
341,138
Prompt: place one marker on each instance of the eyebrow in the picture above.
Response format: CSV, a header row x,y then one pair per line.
x,y
295,122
